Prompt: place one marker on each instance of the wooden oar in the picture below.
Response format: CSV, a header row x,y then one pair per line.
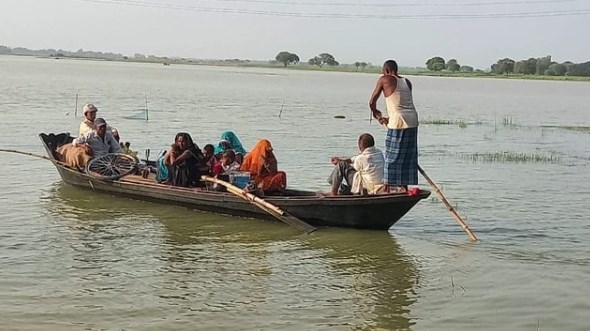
x,y
446,202
275,211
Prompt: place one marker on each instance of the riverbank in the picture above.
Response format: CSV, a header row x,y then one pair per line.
x,y
350,68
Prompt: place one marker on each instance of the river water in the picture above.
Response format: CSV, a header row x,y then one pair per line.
x,y
74,259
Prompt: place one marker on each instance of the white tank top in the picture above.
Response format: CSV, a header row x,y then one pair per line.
x,y
400,107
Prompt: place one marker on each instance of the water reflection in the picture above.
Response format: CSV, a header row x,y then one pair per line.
x,y
259,274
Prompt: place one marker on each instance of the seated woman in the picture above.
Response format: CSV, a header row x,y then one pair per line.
x,y
263,167
184,159
229,140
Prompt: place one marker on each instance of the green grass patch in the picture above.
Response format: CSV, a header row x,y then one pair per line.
x,y
511,157
583,129
460,122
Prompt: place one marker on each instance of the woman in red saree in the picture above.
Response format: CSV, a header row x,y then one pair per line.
x,y
262,165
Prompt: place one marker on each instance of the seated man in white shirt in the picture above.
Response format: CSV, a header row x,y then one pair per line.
x,y
361,173
99,141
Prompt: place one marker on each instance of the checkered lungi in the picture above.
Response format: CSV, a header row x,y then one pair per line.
x,y
401,157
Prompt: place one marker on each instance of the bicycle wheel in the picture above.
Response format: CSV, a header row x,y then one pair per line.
x,y
112,166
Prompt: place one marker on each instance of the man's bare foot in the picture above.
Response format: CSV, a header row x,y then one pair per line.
x,y
321,194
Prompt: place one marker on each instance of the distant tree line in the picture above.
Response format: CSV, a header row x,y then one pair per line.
x,y
532,66
437,63
5,50
541,66
320,60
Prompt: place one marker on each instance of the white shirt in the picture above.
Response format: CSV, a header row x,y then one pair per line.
x,y
370,167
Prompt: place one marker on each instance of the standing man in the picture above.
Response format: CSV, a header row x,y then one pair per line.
x,y
401,143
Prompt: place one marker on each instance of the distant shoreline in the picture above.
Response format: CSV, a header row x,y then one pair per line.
x,y
306,67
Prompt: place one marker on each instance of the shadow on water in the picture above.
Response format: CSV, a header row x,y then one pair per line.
x,y
265,271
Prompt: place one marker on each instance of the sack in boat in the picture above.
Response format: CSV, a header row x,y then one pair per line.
x,y
74,156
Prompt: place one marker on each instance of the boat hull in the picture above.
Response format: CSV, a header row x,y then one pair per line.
x,y
378,212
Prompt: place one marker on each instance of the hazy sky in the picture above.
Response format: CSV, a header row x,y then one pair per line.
x,y
475,32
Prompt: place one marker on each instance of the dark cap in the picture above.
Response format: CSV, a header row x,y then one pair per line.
x,y
99,122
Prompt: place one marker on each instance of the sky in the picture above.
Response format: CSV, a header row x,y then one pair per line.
x,y
475,32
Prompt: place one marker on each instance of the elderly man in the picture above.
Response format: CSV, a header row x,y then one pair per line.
x,y
87,125
99,141
361,173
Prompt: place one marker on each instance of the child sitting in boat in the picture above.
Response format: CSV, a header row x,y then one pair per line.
x,y
227,164
229,140
209,161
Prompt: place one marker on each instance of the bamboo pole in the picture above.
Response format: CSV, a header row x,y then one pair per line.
x,y
34,155
264,205
448,204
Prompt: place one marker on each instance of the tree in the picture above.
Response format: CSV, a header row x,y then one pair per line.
x,y
315,61
466,69
452,65
503,66
579,69
357,64
556,69
287,58
363,65
324,58
328,59
436,63
543,64
526,67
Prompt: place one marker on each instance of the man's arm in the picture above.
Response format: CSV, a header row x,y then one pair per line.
x,y
80,140
374,97
335,160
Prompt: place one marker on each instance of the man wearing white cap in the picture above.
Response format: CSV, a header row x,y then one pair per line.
x,y
87,125
99,141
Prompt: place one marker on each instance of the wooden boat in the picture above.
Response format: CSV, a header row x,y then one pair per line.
x,y
377,212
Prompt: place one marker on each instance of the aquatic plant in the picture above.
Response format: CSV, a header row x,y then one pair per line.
x,y
512,157
583,129
460,122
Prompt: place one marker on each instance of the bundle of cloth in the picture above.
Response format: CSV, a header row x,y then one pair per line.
x,y
74,156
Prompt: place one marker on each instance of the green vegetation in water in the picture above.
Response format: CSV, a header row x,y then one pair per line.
x,y
511,157
583,129
460,122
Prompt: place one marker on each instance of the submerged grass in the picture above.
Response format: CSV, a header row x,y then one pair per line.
x,y
511,157
460,122
583,129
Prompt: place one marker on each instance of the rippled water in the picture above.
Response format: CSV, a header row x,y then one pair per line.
x,y
75,259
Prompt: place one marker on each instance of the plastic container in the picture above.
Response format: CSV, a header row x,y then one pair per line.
x,y
239,178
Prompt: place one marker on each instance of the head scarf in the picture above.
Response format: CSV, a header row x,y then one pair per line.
x,y
222,146
254,161
234,141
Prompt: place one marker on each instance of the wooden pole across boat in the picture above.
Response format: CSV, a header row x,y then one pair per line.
x,y
275,211
449,206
